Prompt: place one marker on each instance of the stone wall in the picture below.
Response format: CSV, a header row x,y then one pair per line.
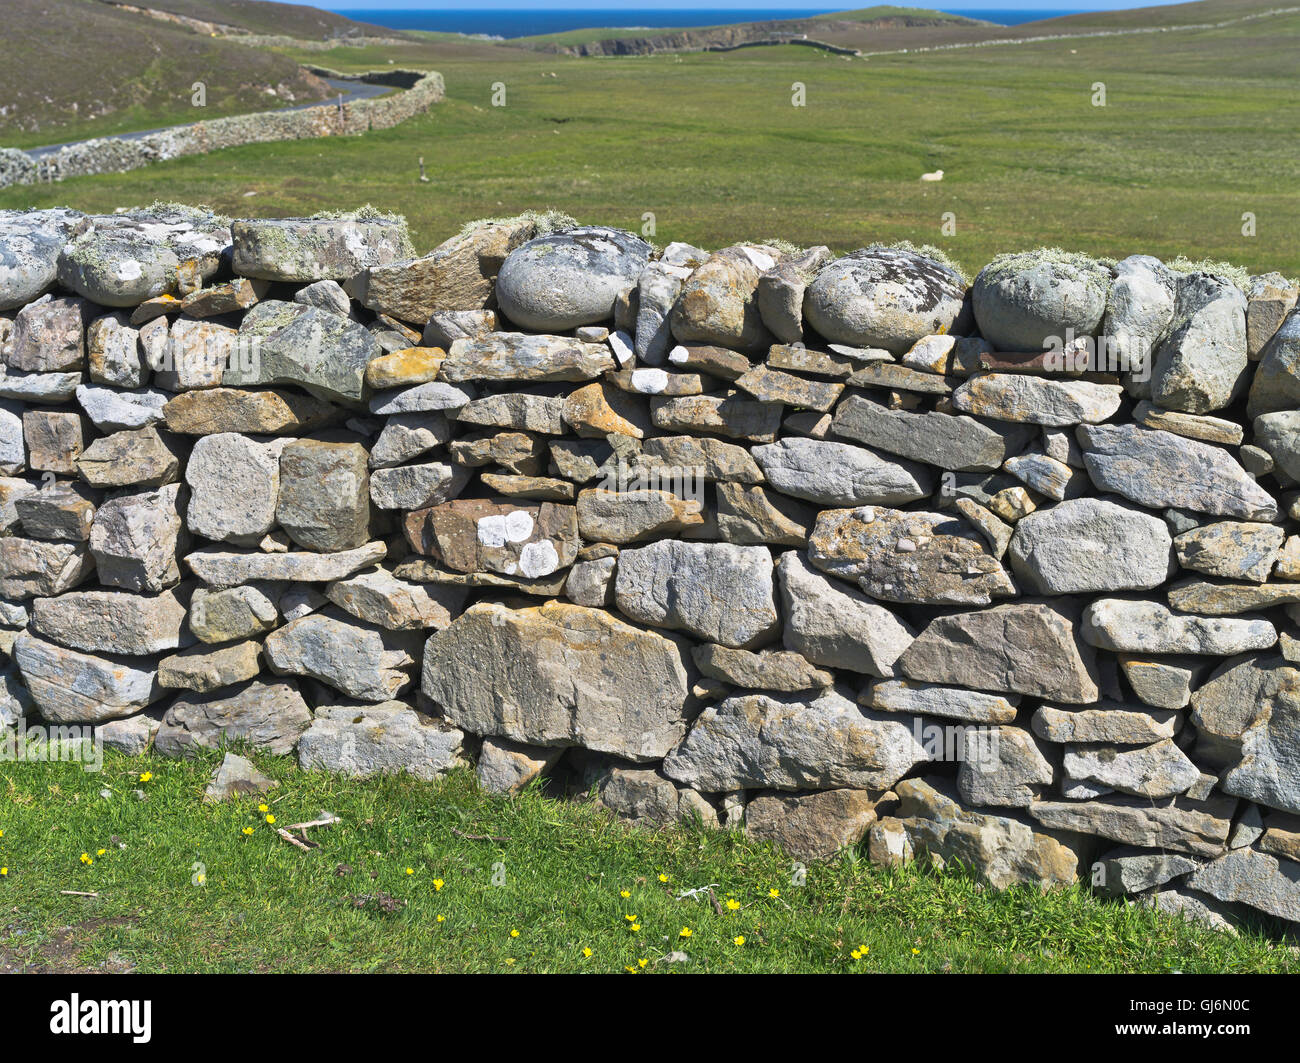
x,y
837,551
117,154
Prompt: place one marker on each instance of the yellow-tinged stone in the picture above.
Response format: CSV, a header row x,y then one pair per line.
x,y
413,365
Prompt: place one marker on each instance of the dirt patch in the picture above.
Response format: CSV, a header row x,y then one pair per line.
x,y
60,953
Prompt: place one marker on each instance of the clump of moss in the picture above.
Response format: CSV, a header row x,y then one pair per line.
x,y
782,245
1226,271
199,212
543,222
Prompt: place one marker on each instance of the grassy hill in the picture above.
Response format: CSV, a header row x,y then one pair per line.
x,y
270,19
828,27
78,68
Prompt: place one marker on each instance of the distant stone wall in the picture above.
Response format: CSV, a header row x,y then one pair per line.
x,y
838,551
115,154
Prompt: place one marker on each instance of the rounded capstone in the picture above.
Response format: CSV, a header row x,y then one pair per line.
x,y
884,297
1023,301
569,278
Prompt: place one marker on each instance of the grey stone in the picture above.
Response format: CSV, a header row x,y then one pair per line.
x,y
205,668
324,495
1029,648
384,739
1002,766
772,670
931,699
1248,721
1090,544
821,742
1037,400
840,474
1139,309
1108,721
506,767
142,457
1149,627
569,278
407,436
943,439
417,486
234,487
69,687
717,303
267,715
118,411
319,351
136,539
524,674
713,591
1160,470
314,249
884,297
124,259
49,336
1130,870
112,621
1231,549
362,660
225,568
378,597
30,242
33,567
1199,365
813,826
908,556
1245,876
236,777
1158,770
1183,825
219,616
517,356
1021,301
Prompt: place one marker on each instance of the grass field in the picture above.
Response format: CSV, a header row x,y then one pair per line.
x,y
1199,128
187,886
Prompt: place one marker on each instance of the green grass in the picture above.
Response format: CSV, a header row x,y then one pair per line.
x,y
556,873
1200,127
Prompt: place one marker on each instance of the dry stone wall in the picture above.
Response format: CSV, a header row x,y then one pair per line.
x,y
837,551
421,90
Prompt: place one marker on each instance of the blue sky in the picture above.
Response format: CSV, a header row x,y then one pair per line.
x,y
669,5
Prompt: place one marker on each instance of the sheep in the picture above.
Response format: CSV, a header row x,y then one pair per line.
x,y
936,176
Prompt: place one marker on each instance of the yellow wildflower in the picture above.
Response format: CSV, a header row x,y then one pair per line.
x,y
514,933
624,894
587,953
774,892
248,830
263,808
732,904
437,885
685,932
739,939
146,776
270,819
642,963
662,878
410,871
442,918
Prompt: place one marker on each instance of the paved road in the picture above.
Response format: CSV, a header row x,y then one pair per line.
x,y
350,90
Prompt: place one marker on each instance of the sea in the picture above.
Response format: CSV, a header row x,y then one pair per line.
x,y
506,23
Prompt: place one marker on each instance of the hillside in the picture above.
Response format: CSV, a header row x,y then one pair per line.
x,y
839,29
265,18
73,68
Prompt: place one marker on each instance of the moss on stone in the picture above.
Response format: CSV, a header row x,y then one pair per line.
x,y
1226,271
